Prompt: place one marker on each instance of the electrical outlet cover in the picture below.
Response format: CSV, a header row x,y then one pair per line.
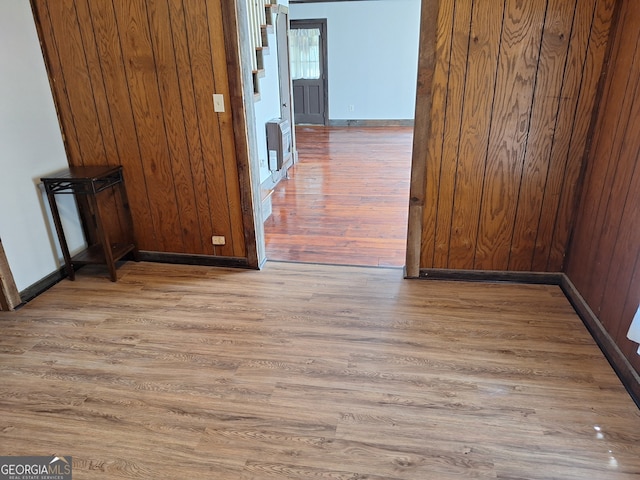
x,y
218,240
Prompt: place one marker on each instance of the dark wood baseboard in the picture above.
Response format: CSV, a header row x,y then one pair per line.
x,y
491,276
372,123
187,259
625,371
42,285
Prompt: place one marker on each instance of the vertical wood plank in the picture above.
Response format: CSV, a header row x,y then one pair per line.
x,y
604,255
562,136
486,30
203,81
520,49
617,212
108,44
613,195
96,79
591,77
174,124
611,128
236,245
426,63
618,248
83,94
609,235
78,84
553,58
142,81
433,160
56,78
192,126
111,206
241,100
452,130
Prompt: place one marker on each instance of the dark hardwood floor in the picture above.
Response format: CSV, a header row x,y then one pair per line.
x,y
303,371
346,201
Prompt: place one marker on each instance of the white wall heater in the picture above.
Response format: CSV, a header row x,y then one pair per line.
x,y
278,143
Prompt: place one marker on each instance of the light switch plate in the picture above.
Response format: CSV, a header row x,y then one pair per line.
x,y
218,102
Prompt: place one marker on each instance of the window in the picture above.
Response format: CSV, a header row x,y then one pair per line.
x,y
305,53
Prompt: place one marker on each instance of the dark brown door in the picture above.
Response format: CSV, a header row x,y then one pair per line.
x,y
308,44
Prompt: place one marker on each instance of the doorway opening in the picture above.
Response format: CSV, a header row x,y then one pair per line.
x,y
308,57
346,199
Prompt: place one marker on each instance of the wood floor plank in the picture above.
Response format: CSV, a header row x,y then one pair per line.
x,y
310,371
346,201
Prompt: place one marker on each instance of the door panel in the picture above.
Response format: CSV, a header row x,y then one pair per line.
x,y
308,98
315,99
308,69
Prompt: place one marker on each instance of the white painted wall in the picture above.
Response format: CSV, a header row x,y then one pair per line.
x,y
30,147
268,106
372,56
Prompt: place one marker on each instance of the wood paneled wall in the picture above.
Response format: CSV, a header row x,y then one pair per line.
x,y
604,256
133,82
513,92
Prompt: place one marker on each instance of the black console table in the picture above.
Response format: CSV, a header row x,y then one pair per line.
x,y
86,183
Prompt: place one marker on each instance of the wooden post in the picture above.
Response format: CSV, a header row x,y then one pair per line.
x,y
9,295
237,42
422,129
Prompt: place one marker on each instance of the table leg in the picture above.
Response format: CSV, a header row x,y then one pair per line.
x,y
103,238
129,219
61,237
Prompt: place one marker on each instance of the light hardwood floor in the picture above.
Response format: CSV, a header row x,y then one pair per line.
x,y
347,200
310,372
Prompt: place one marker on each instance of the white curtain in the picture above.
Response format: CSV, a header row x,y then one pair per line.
x,y
305,53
